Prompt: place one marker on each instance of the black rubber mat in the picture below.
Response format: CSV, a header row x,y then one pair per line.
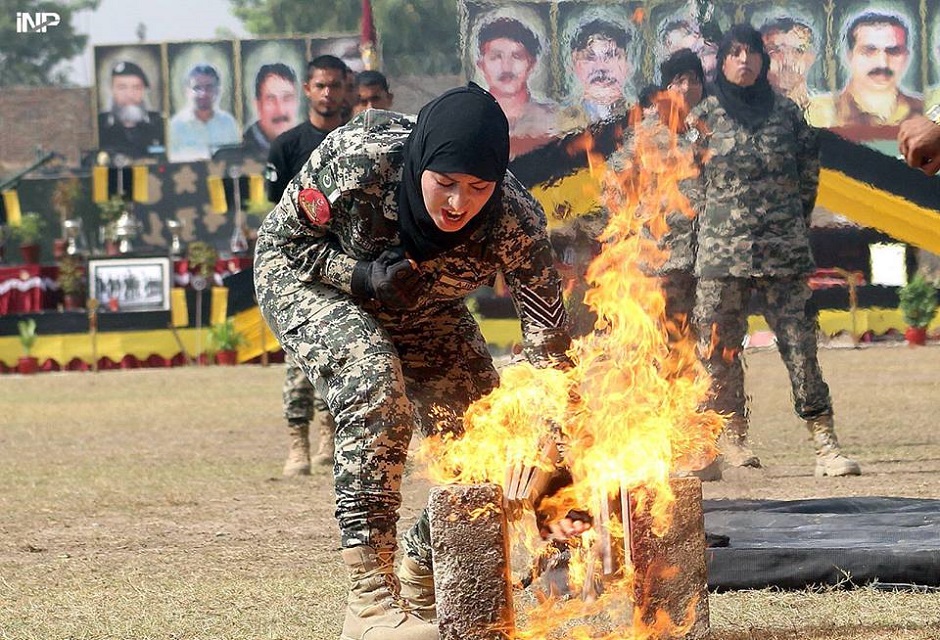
x,y
799,543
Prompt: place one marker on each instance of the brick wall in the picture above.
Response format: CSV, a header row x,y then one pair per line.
x,y
60,119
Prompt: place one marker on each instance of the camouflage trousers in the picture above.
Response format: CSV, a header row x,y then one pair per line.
x,y
381,376
720,318
679,290
300,400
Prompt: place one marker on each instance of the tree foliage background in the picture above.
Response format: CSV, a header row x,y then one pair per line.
x,y
417,36
35,58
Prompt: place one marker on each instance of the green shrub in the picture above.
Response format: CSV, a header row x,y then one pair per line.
x,y
224,337
30,230
918,302
202,258
27,330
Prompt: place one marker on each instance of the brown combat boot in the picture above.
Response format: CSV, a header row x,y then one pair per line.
x,y
298,456
327,429
734,446
829,458
373,610
417,589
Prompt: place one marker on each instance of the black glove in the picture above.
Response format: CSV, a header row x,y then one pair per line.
x,y
392,279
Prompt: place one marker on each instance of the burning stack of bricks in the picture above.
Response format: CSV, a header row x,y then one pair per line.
x,y
470,530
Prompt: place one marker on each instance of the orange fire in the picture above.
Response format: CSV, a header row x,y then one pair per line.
x,y
626,416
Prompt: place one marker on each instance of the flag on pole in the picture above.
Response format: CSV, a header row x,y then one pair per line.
x,y
367,38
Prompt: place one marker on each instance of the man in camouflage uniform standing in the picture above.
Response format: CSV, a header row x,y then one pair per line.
x,y
325,89
761,176
362,271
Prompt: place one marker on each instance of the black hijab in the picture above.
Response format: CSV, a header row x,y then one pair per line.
x,y
462,131
748,105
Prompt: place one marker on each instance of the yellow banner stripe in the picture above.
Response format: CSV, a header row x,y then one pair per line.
x,y
218,312
568,197
179,308
256,196
99,184
217,194
139,187
900,218
11,202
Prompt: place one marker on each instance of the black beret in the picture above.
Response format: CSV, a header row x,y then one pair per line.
x,y
125,68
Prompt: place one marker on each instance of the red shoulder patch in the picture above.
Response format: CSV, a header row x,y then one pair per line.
x,y
314,206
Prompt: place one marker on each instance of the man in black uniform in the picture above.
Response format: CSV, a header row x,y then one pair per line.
x,y
325,89
128,127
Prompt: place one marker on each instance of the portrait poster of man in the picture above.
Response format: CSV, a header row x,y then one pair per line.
x,y
598,47
793,36
675,27
932,93
273,72
130,99
878,70
202,99
344,47
507,51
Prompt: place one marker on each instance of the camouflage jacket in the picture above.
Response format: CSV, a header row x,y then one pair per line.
x,y
759,192
671,189
358,169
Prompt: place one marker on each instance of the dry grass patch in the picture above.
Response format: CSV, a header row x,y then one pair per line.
x,y
149,504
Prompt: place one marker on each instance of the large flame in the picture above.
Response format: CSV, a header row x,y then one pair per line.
x,y
627,414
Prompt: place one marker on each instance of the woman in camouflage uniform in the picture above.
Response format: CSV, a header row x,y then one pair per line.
x,y
760,178
362,270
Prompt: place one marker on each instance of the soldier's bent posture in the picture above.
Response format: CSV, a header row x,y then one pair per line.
x,y
760,182
361,271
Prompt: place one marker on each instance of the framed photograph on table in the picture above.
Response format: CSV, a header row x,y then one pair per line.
x,y
130,284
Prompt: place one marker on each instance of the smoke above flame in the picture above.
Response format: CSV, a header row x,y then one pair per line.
x,y
624,417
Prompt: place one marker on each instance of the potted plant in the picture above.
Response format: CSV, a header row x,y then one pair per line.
x,y
27,363
918,304
108,213
29,233
224,341
71,282
202,258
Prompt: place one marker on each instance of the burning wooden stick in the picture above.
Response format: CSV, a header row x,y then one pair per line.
x,y
525,484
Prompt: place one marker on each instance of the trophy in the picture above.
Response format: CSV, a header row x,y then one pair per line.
x,y
176,245
74,238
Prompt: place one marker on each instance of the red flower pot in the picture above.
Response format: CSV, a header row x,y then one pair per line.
x,y
916,335
226,357
27,365
30,253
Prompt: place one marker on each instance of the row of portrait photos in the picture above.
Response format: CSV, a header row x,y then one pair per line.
x,y
862,66
188,100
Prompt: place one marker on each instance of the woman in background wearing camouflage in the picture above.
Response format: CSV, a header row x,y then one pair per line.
x,y
760,177
361,271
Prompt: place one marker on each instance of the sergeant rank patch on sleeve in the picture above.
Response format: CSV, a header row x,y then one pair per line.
x,y
548,314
